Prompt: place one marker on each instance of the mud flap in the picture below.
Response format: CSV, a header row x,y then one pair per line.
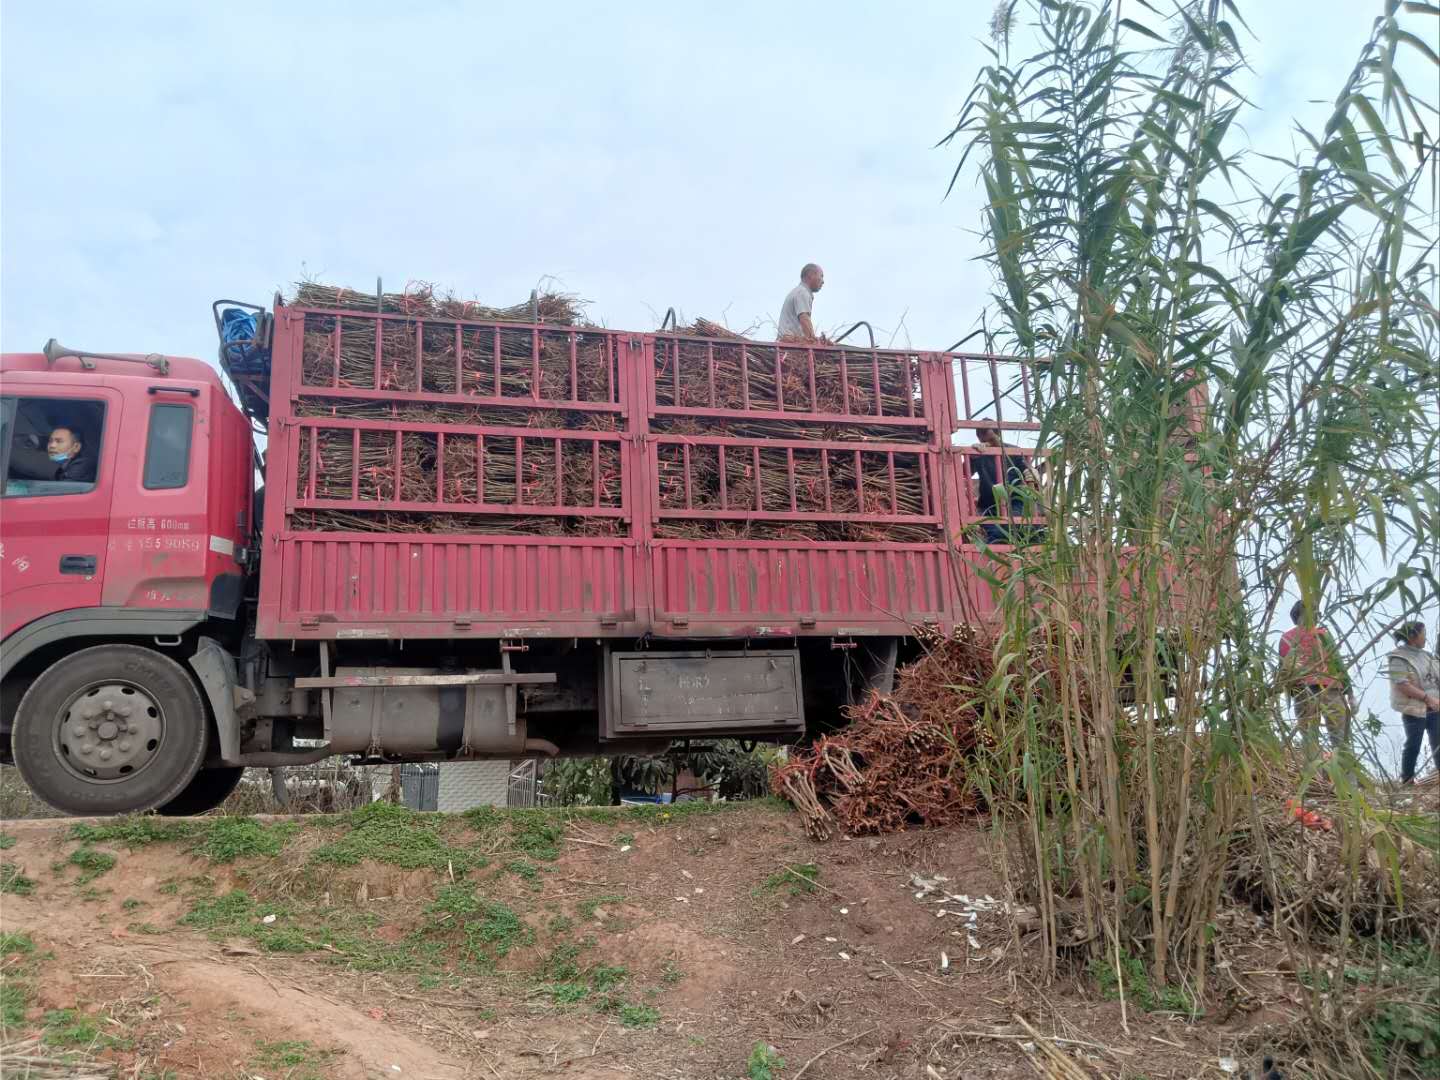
x,y
215,668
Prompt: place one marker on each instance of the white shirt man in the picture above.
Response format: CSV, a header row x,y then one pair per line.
x,y
795,321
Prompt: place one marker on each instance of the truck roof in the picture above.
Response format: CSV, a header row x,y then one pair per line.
x,y
181,367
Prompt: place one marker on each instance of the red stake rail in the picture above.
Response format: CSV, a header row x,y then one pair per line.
x,y
451,478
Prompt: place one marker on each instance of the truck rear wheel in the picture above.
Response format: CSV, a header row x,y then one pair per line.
x,y
209,789
113,729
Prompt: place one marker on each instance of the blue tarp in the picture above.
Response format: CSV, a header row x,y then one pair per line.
x,y
237,333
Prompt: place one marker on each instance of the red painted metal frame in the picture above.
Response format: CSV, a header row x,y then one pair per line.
x,y
367,585
666,365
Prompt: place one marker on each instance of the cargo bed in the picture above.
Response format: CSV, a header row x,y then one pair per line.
x,y
443,478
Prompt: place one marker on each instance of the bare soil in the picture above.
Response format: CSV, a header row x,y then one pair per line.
x,y
651,946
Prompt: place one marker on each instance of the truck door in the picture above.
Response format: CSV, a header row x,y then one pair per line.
x,y
54,516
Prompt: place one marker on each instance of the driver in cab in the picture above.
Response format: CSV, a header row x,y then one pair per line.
x,y
68,455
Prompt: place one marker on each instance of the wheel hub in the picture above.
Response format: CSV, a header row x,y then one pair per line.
x,y
110,731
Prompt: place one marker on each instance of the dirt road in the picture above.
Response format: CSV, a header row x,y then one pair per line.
x,y
694,943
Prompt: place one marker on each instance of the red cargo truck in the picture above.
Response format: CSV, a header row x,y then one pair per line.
x,y
474,539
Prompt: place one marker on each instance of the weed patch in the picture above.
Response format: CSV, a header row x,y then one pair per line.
x,y
568,993
72,1028
92,863
299,1060
397,836
797,881
490,929
133,831
229,838
18,950
587,908
495,932
1137,987
639,1016
6,841
237,913
764,1064
527,872
537,834
14,1002
12,880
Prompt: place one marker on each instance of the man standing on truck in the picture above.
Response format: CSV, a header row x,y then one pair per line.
x,y
795,322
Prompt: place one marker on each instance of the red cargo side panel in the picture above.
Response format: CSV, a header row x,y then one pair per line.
x,y
361,586
775,588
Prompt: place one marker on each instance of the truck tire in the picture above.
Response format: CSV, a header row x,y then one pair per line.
x,y
113,729
209,789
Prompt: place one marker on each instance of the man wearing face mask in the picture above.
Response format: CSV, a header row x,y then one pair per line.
x,y
67,452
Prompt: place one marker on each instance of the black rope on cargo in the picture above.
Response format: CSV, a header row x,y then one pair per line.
x,y
868,329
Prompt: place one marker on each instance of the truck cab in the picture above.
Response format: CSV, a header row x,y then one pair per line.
x,y
141,536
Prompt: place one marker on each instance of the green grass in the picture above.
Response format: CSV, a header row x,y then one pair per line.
x,y
568,993
671,974
12,880
397,836
92,863
71,1028
488,928
18,950
236,913
587,908
6,841
14,1002
1138,989
229,838
561,964
537,833
528,872
1405,1031
296,1060
494,933
639,1016
132,904
797,881
133,831
764,1063
607,978
455,899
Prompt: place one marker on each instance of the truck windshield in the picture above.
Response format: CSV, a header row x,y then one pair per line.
x,y
51,446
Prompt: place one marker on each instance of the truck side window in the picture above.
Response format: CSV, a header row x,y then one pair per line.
x,y
167,447
52,445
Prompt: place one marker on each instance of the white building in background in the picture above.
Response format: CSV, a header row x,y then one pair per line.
x,y
464,784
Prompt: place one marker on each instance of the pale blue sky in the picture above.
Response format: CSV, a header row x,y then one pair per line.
x,y
157,156
154,157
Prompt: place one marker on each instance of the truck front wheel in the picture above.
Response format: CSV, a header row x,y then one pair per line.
x,y
113,729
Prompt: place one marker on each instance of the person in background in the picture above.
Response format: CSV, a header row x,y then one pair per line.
x,y
68,454
795,322
1314,677
993,471
1415,695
